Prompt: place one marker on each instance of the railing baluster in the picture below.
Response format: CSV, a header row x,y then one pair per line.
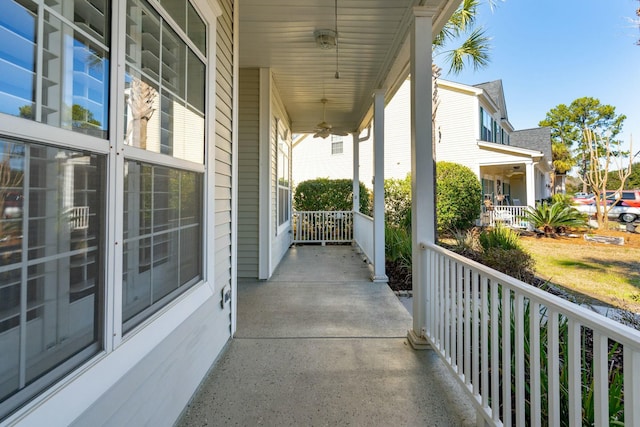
x,y
506,356
447,309
484,361
600,379
469,307
553,367
460,320
475,353
631,362
519,355
495,352
575,381
534,363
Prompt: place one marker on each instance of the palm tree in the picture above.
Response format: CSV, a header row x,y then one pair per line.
x,y
473,50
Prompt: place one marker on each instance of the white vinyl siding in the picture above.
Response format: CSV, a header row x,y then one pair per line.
x,y
224,134
248,170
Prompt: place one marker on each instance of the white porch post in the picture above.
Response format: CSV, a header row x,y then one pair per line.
x,y
422,167
356,172
530,181
379,274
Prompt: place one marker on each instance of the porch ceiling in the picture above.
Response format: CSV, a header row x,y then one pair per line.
x,y
373,53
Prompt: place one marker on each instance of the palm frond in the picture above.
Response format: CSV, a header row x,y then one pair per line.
x,y
474,50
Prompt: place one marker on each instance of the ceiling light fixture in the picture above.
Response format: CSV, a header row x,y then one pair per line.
x,y
325,39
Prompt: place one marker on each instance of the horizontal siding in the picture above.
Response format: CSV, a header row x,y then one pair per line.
x,y
248,171
224,144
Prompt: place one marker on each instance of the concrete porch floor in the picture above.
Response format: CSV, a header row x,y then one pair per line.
x,y
319,344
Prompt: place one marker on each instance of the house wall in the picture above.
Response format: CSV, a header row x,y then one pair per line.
x,y
457,129
148,376
282,236
248,170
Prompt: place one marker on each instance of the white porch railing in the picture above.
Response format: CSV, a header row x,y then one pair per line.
x,y
520,351
323,227
78,217
506,215
363,234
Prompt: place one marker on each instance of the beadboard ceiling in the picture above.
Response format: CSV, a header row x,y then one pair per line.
x,y
373,53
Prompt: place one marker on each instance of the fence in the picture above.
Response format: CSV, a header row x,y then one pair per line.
x,y
363,234
525,356
507,215
323,227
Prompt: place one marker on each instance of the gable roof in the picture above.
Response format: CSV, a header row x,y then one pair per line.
x,y
534,139
495,91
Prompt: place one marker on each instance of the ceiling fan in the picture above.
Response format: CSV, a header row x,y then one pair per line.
x,y
324,129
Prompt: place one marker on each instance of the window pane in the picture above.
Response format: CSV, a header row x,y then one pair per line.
x,y
17,57
196,29
61,205
177,10
165,87
163,249
195,82
73,71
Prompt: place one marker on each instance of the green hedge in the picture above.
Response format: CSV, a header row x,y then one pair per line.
x,y
324,194
458,196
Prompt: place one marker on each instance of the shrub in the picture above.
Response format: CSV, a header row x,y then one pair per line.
x,y
324,194
499,237
397,201
397,245
514,262
555,218
458,197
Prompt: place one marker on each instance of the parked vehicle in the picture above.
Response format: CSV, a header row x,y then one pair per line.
x,y
630,197
583,198
621,211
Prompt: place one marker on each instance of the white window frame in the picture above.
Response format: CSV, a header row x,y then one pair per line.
x,y
337,141
283,138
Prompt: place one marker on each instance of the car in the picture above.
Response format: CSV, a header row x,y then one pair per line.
x,y
620,211
583,198
630,197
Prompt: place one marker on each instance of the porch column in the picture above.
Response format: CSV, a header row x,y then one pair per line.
x,y
530,181
378,188
356,172
422,167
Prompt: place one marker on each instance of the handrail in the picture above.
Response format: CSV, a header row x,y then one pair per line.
x,y
363,234
322,226
479,321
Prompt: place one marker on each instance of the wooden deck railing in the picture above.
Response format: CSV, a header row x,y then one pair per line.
x,y
323,227
526,357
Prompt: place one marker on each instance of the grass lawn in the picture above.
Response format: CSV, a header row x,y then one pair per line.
x,y
609,273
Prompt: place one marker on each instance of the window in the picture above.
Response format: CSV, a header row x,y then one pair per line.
x,y
51,287
162,245
69,59
54,62
165,82
165,113
284,184
336,144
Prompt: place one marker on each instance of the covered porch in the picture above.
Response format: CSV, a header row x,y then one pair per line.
x,y
320,344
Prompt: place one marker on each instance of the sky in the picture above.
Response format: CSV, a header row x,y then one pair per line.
x,y
551,52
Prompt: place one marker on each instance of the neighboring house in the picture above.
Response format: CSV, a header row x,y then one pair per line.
x,y
472,128
146,147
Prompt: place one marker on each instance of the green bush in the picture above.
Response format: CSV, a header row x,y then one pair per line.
x,y
555,218
499,237
397,245
397,202
324,194
458,197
